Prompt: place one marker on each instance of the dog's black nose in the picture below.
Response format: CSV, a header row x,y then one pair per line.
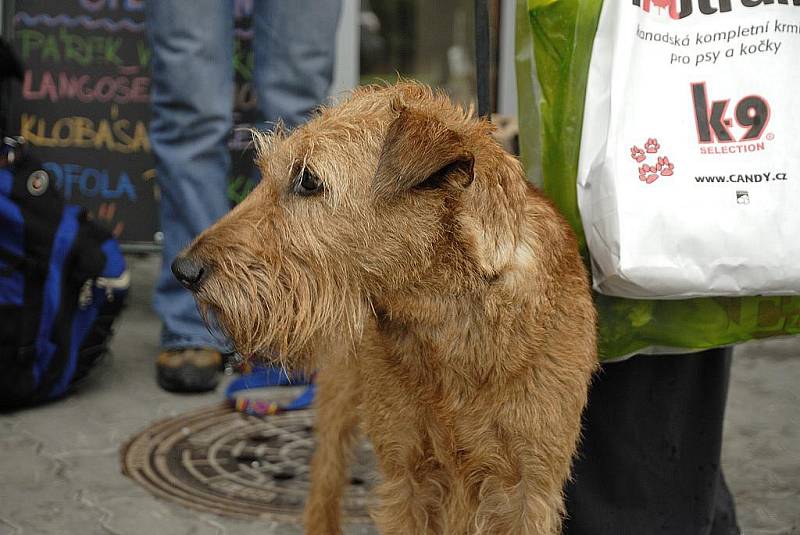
x,y
189,271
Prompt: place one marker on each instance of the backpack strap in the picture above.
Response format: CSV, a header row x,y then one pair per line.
x,y
33,274
19,263
42,209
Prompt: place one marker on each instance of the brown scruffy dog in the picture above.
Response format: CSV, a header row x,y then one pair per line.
x,y
395,247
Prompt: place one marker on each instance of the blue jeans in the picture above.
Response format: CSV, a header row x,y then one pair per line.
x,y
192,96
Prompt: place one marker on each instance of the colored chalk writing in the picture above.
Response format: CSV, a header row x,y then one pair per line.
x,y
85,88
118,135
83,104
73,179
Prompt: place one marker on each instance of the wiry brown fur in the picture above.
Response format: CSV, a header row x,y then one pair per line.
x,y
442,299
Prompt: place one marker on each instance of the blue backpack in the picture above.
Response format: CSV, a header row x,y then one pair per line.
x,y
62,283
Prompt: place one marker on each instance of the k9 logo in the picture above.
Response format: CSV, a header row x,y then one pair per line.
x,y
713,125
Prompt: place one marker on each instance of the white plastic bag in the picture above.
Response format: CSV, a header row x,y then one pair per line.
x,y
689,173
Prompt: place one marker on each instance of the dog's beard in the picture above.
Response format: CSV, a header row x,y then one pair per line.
x,y
285,317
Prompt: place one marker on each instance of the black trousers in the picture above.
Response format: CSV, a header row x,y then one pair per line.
x,y
649,461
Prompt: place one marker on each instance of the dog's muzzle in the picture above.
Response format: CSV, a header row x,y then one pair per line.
x,y
189,271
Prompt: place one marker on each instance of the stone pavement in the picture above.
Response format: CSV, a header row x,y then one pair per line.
x,y
59,464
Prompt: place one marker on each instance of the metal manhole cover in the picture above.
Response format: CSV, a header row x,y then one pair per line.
x,y
222,461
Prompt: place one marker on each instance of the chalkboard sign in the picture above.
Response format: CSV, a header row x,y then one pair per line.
x,y
84,106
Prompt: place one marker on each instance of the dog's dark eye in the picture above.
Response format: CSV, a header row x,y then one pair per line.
x,y
307,183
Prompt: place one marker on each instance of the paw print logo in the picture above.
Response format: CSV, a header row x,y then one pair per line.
x,y
648,172
637,154
664,166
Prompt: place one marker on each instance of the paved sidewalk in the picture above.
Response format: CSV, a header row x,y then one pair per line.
x,y
59,464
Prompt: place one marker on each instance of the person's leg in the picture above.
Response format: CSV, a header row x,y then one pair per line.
x,y
192,93
294,50
724,511
649,460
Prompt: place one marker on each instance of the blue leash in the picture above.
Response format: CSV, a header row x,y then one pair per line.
x,y
267,376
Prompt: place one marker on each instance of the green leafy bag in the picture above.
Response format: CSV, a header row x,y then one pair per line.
x,y
554,45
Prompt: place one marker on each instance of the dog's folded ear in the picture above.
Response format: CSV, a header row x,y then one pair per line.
x,y
421,152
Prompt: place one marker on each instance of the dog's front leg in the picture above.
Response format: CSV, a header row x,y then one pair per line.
x,y
409,505
336,433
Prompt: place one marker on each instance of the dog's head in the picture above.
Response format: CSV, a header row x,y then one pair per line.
x,y
367,198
